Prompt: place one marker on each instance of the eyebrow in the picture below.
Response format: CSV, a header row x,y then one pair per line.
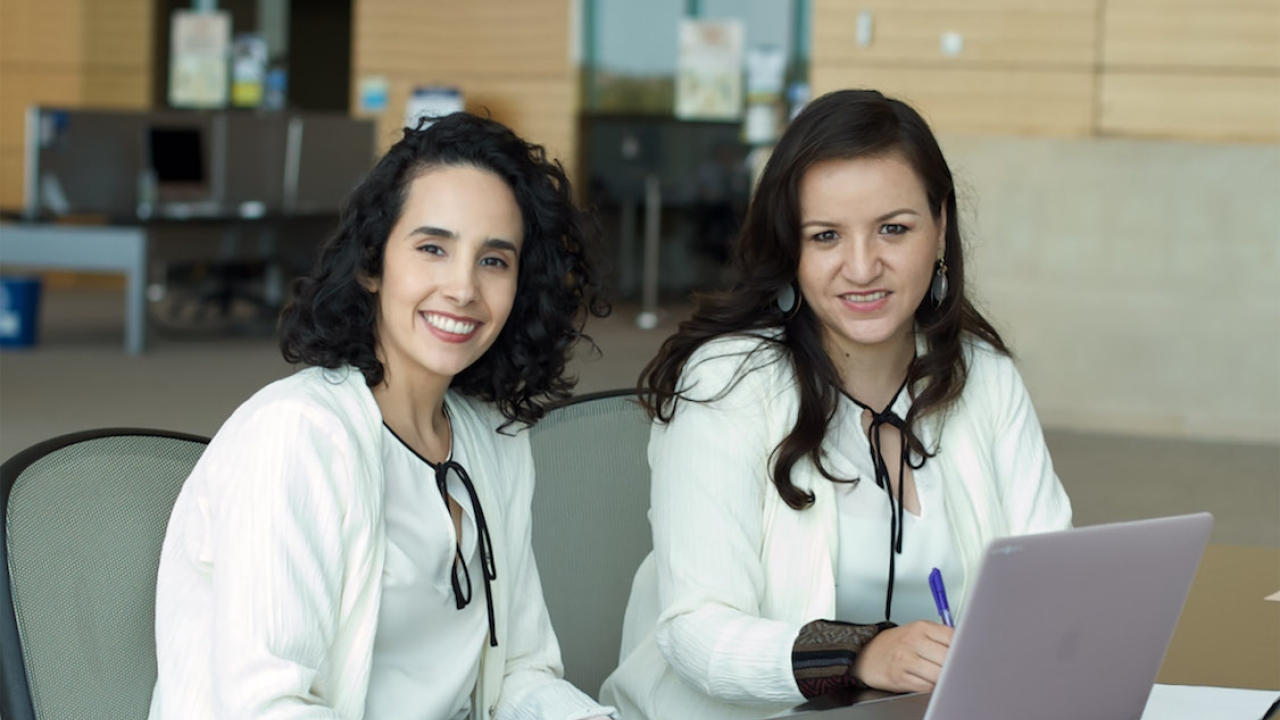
x,y
490,243
882,218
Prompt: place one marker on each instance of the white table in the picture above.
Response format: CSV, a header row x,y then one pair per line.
x,y
1197,702
95,248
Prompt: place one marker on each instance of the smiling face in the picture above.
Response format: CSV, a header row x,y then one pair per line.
x,y
449,273
869,241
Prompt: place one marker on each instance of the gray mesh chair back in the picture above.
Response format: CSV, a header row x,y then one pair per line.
x,y
590,524
84,517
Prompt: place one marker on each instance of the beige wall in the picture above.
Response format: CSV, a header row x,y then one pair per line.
x,y
509,57
1138,280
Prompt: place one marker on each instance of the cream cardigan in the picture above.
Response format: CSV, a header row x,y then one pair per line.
x,y
270,574
735,572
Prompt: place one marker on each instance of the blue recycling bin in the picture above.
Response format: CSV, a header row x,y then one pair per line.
x,y
19,311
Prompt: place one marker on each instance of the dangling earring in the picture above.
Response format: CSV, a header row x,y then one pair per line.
x,y
789,301
938,288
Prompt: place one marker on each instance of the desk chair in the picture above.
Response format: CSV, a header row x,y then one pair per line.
x,y
590,524
84,517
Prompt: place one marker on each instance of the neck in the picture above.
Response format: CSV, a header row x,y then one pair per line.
x,y
873,373
414,409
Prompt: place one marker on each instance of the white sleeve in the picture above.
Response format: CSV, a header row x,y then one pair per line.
x,y
277,559
710,467
532,688
1033,497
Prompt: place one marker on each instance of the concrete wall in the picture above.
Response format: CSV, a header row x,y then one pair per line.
x,y
1138,280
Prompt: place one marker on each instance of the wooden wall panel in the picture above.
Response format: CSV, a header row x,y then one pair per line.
x,y
509,57
44,33
1006,32
116,89
485,37
1025,68
1213,34
1203,106
1020,102
121,34
10,177
118,53
23,88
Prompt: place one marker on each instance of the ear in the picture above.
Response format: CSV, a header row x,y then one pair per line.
x,y
368,283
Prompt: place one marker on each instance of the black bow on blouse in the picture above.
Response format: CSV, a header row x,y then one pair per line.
x,y
883,480
485,543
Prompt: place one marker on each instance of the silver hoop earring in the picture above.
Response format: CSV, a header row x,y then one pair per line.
x,y
938,288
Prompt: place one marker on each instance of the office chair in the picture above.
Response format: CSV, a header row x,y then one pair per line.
x,y
590,524
84,518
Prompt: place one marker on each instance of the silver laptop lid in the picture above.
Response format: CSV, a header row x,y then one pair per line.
x,y
1071,624
1061,626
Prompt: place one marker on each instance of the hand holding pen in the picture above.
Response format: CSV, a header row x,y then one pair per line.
x,y
940,597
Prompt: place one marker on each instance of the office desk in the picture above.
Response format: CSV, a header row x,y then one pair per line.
x,y
93,248
127,247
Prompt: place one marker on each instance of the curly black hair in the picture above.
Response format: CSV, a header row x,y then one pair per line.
x,y
332,320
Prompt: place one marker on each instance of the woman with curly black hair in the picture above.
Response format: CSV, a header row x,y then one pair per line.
x,y
355,541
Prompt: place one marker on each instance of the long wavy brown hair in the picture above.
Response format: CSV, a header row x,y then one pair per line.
x,y
841,125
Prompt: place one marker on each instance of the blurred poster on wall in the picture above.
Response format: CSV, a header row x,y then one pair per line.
x,y
766,69
248,69
709,74
431,101
198,59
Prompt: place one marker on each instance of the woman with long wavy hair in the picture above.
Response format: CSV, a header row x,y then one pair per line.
x,y
826,432
355,541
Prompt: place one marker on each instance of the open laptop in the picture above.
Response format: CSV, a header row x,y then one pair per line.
x,y
1060,626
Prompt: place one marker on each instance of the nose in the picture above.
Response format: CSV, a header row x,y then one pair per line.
x,y
862,261
459,286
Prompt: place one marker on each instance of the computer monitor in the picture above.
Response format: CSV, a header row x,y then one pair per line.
x,y
178,155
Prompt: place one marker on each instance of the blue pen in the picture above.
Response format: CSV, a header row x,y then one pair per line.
x,y
940,597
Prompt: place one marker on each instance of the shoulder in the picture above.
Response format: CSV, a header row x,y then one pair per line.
x,y
480,425
992,379
329,404
721,365
313,437
499,459
483,419
985,363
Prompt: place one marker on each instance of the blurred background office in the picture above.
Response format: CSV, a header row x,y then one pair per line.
x,y
1118,165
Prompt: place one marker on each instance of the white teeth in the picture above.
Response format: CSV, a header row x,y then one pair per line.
x,y
865,297
449,325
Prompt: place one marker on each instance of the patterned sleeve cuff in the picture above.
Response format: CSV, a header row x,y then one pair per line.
x,y
823,655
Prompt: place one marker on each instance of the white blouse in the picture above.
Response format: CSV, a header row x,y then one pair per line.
x,y
426,652
862,570
863,518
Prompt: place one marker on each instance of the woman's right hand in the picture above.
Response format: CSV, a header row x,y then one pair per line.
x,y
905,659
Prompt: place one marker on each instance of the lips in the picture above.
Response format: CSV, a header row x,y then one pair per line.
x,y
868,297
866,302
450,325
